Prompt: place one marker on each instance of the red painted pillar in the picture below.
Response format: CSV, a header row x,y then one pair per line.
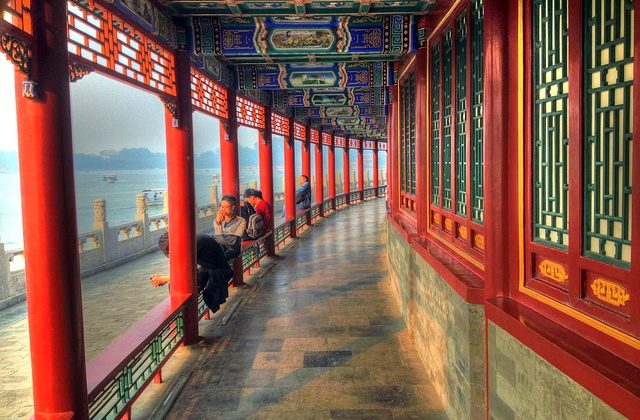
x,y
319,174
332,173
50,231
182,198
345,171
289,176
306,154
392,147
375,169
229,166
265,153
361,171
498,82
422,211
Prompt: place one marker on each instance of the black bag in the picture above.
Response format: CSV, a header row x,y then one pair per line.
x,y
231,244
246,210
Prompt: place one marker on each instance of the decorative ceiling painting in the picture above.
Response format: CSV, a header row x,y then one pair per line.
x,y
299,7
310,75
286,38
329,97
325,63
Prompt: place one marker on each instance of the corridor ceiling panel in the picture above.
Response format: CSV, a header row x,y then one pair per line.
x,y
329,97
299,8
289,39
314,75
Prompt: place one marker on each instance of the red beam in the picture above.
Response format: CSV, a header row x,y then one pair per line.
x,y
182,201
49,224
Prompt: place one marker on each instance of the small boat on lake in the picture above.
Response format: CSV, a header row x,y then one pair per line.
x,y
110,177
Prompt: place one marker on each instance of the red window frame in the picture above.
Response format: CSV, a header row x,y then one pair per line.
x,y
250,113
461,234
279,124
408,202
208,96
558,281
299,131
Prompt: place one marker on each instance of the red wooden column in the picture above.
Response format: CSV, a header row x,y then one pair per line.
x,y
182,198
289,176
375,169
306,161
319,174
332,173
306,154
49,222
229,165
265,154
422,200
500,87
361,170
392,147
345,170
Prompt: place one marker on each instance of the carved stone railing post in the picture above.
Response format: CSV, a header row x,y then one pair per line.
x,y
165,203
100,223
213,194
253,184
5,274
339,182
353,180
367,176
143,216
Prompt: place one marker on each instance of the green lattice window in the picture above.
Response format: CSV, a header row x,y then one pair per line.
x,y
608,117
550,123
447,118
578,249
408,134
461,115
435,123
456,132
477,101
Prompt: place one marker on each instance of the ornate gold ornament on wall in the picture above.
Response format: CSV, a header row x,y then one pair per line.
x,y
462,232
436,218
448,225
553,271
610,292
478,242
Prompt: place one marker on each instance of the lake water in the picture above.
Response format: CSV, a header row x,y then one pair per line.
x,y
120,196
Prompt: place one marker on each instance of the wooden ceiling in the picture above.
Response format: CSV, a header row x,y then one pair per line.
x,y
327,63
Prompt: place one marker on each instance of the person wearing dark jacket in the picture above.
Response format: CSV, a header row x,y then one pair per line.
x,y
303,195
213,269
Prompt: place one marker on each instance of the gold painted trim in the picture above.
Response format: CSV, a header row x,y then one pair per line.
x,y
406,69
586,319
554,271
610,292
443,20
457,250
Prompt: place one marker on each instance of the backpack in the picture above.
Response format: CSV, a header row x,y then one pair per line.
x,y
255,226
246,211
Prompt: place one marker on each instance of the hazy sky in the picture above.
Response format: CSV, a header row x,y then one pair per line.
x,y
109,114
8,133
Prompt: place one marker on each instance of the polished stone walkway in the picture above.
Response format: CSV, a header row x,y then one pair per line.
x,y
317,337
112,300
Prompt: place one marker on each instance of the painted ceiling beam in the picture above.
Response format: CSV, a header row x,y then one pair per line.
x,y
298,7
343,75
330,97
301,36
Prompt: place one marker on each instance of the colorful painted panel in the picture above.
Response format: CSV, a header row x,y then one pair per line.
x,y
289,76
330,97
306,8
236,36
149,17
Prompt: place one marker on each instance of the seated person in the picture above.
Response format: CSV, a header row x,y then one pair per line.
x,y
303,195
262,207
213,269
227,221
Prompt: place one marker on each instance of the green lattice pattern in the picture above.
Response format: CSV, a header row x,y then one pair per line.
x,y
447,117
110,402
477,102
435,123
461,114
608,34
550,130
408,134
